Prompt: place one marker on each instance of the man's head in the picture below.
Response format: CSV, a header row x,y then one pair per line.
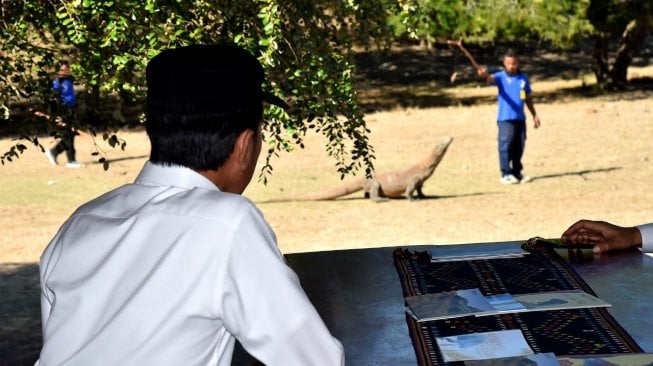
x,y
200,99
511,62
64,70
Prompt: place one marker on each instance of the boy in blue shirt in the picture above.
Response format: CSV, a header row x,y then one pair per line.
x,y
514,92
63,89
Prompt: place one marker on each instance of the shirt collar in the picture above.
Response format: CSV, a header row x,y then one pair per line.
x,y
173,176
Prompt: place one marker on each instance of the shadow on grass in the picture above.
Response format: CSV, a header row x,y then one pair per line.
x,y
580,173
124,159
20,314
361,197
414,77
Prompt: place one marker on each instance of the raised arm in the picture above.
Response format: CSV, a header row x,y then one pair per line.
x,y
481,71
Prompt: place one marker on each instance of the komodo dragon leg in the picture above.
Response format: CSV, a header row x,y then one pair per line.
x,y
414,187
375,192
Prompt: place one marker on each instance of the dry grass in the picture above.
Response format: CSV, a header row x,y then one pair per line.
x,y
591,158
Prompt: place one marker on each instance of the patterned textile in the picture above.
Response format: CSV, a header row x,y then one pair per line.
x,y
563,332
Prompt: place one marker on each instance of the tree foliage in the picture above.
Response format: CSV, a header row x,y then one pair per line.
x,y
561,22
306,48
632,22
564,23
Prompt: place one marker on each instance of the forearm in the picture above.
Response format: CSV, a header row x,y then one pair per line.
x,y
482,72
485,75
530,105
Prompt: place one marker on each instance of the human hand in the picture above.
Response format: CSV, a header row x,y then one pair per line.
x,y
605,236
458,42
39,113
59,122
536,121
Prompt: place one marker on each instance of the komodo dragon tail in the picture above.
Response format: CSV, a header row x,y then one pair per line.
x,y
334,192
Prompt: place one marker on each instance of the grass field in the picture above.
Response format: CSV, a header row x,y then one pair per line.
x,y
591,158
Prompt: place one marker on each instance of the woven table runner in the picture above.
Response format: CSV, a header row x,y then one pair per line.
x,y
563,332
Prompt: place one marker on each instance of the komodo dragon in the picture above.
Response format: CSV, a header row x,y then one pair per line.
x,y
392,184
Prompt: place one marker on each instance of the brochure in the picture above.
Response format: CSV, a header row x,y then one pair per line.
x,y
450,304
623,359
557,300
505,303
542,301
538,359
480,346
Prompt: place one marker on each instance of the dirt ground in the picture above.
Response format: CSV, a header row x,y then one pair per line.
x,y
590,159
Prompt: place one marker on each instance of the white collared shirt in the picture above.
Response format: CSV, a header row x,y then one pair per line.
x,y
169,271
647,237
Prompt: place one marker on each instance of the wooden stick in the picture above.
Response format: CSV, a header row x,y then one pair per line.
x,y
58,121
459,43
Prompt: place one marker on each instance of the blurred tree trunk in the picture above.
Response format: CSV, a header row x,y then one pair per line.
x,y
631,41
632,22
601,55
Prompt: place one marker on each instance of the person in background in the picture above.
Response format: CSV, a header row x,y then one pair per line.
x,y
514,91
175,267
66,102
606,236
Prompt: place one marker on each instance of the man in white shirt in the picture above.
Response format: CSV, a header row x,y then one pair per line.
x,y
173,268
606,236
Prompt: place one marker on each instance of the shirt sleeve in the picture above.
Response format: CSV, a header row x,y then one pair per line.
x,y
527,87
647,237
48,260
497,78
265,307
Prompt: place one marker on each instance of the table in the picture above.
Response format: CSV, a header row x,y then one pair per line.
x,y
359,296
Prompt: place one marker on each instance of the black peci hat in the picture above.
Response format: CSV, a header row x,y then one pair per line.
x,y
206,79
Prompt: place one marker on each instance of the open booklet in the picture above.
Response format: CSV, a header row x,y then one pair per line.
x,y
481,346
468,302
556,300
462,252
624,359
537,359
452,304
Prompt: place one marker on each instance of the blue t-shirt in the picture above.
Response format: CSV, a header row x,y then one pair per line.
x,y
513,90
66,90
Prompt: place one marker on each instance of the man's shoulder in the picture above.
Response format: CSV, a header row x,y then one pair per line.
x,y
208,207
499,77
207,199
134,199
